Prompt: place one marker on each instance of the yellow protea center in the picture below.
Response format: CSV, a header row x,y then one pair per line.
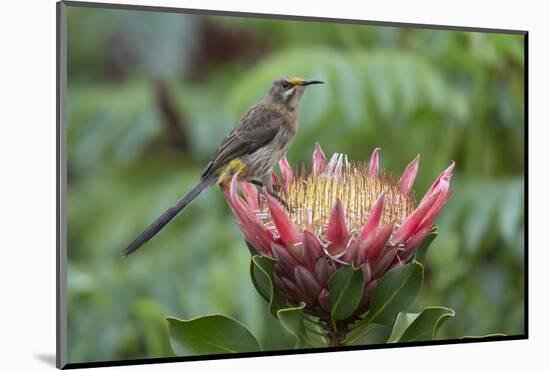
x,y
353,186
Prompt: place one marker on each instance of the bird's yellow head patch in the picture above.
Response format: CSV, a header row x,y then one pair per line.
x,y
295,80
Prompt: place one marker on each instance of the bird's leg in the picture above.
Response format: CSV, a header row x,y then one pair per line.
x,y
268,185
258,183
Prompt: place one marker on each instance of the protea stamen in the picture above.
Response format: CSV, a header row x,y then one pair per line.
x,y
311,196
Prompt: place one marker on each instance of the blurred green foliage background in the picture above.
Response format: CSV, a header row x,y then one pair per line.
x,y
151,94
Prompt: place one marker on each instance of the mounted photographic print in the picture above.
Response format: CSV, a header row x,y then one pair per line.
x,y
235,184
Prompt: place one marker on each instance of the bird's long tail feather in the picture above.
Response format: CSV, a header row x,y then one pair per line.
x,y
169,214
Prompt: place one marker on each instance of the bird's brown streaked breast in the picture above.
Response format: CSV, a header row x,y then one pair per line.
x,y
261,163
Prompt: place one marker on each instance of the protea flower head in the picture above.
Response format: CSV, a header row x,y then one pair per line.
x,y
336,214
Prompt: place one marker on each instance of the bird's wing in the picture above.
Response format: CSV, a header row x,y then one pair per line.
x,y
257,128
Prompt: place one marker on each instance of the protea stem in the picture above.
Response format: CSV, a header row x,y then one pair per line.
x,y
336,334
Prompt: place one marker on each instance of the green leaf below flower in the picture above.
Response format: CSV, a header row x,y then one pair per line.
x,y
402,322
483,336
346,287
210,334
293,321
359,331
421,251
261,272
251,248
396,291
413,327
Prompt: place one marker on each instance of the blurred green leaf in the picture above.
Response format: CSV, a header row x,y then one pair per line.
x,y
153,330
396,291
511,210
210,335
353,76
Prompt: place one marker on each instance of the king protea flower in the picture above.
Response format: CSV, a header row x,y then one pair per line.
x,y
336,214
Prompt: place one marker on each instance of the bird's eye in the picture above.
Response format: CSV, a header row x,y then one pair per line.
x,y
285,84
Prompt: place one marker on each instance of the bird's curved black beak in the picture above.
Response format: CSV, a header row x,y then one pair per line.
x,y
311,82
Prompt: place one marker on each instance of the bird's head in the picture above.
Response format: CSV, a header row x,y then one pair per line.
x,y
288,91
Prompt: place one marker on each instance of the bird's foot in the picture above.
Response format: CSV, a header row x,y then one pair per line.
x,y
281,200
272,193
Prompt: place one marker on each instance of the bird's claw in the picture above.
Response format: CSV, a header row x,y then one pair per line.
x,y
273,194
281,200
